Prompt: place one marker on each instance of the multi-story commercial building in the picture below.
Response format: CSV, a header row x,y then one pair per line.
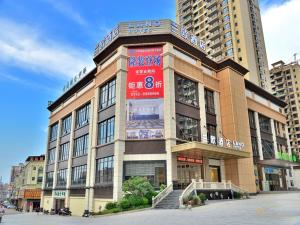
x,y
156,106
285,81
27,182
231,29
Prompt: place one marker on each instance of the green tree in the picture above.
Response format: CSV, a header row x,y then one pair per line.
x,y
138,186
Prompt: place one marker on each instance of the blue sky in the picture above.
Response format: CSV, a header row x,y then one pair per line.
x,y
42,44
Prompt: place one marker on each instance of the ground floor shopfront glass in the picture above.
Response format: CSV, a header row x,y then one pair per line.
x,y
186,172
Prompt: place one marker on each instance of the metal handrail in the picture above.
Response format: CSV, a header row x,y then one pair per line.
x,y
158,198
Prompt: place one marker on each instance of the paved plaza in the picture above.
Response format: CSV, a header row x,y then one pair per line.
x,y
273,209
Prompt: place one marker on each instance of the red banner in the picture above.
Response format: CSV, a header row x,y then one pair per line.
x,y
145,73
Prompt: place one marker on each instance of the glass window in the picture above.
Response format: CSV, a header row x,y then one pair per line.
x,y
51,155
254,147
62,177
211,133
251,119
108,94
228,43
225,10
82,116
229,52
264,124
188,128
81,145
227,26
209,101
105,170
53,132
49,179
268,149
40,175
228,34
226,18
154,171
64,151
79,175
106,131
66,125
187,91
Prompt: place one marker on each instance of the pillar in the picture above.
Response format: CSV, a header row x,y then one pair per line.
x,y
274,138
259,144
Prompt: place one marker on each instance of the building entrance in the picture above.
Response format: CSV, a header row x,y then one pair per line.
x,y
59,204
186,172
215,174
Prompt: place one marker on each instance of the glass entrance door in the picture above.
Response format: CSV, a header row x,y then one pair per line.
x,y
187,172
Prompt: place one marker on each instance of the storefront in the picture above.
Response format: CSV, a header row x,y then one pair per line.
x,y
32,199
59,198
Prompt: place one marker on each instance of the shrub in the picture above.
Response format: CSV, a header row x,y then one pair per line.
x,y
124,204
145,201
116,210
149,196
135,200
202,197
138,186
237,195
196,200
111,205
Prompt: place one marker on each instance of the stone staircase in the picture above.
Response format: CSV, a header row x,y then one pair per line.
x,y
171,201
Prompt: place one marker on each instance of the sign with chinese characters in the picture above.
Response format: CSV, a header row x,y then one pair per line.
x,y
144,93
145,73
59,194
149,27
223,142
32,193
75,79
189,160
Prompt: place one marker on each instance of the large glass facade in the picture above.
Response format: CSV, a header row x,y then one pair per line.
x,y
81,145
251,119
106,131
188,128
105,170
66,125
254,147
51,155
83,115
108,94
187,91
209,101
64,151
211,133
154,171
49,179
62,177
268,149
53,132
79,175
265,124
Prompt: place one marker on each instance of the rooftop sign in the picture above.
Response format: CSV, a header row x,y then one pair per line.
x,y
149,27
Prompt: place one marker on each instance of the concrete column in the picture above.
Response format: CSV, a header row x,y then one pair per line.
x,y
45,169
56,160
288,140
94,139
218,113
120,123
202,112
206,171
259,144
274,138
89,154
69,170
169,110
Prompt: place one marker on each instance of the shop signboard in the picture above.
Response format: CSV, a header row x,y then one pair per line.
x,y
144,93
189,160
59,194
32,193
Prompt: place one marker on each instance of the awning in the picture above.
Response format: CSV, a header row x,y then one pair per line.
x,y
199,149
278,163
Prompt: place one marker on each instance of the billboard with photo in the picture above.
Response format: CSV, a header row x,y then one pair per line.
x,y
144,93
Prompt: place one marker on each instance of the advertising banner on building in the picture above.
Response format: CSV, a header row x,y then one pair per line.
x,y
144,93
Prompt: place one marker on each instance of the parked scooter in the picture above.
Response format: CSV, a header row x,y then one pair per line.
x,y
65,212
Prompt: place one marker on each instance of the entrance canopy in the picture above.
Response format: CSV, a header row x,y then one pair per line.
x,y
198,149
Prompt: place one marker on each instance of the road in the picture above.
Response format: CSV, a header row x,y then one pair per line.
x,y
273,209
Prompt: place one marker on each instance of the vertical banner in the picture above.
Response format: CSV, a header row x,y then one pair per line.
x,y
144,93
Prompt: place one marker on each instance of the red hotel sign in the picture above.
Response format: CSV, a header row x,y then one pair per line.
x,y
145,73
190,160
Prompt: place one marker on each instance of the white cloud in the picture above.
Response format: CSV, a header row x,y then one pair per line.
x,y
25,47
67,11
281,31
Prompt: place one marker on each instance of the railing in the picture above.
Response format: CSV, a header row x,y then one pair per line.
x,y
186,192
201,185
162,195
